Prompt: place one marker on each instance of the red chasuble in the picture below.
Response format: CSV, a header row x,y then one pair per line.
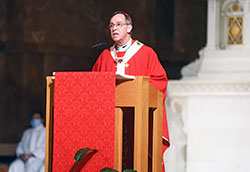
x,y
143,63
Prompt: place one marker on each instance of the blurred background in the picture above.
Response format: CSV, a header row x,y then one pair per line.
x,y
40,37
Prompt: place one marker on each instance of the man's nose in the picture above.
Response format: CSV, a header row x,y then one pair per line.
x,y
115,27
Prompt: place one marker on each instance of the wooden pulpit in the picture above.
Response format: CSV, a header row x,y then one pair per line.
x,y
140,95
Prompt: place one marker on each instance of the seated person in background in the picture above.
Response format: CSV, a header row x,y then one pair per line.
x,y
31,149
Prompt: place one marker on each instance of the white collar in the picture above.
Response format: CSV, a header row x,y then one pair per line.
x,y
128,54
120,48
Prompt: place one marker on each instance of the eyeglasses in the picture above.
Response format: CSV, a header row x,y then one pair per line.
x,y
118,25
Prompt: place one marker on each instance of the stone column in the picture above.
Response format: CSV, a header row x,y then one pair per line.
x,y
212,24
246,24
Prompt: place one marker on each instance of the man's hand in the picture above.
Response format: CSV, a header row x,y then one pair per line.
x,y
25,157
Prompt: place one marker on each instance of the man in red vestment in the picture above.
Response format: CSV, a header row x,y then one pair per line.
x,y
131,57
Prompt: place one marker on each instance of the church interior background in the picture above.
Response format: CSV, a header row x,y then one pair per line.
x,y
203,45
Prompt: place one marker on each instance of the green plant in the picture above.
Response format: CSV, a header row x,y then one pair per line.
x,y
81,158
83,155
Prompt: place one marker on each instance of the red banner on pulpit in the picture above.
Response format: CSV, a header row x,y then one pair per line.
x,y
84,116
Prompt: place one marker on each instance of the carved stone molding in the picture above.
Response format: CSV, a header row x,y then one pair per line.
x,y
204,88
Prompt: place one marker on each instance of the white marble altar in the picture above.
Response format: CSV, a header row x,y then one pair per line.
x,y
209,108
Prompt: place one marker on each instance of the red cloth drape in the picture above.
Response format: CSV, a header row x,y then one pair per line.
x,y
84,116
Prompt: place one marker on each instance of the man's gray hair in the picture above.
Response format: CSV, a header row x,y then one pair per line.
x,y
127,17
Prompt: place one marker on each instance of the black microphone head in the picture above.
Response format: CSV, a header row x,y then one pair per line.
x,y
104,43
99,44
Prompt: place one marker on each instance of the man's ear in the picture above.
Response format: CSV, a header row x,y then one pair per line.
x,y
129,28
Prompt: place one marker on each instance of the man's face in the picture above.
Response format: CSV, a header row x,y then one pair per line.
x,y
37,116
119,30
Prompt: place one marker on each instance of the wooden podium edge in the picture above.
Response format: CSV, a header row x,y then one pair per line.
x,y
148,94
49,121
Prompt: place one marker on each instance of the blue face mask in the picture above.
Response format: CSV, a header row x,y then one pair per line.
x,y
35,122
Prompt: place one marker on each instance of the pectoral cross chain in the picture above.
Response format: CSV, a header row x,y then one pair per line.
x,y
126,65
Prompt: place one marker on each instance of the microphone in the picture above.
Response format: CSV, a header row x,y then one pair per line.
x,y
97,45
92,47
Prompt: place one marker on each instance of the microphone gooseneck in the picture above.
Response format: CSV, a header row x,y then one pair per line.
x,y
99,44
